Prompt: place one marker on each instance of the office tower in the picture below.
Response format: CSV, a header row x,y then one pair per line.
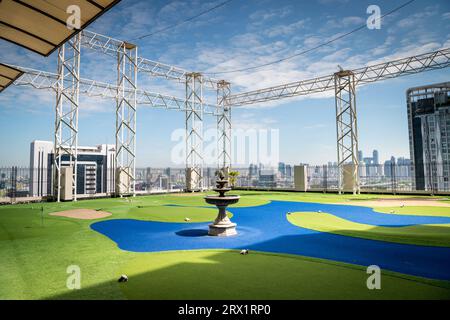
x,y
40,168
288,171
253,170
360,155
95,171
389,167
282,168
267,178
403,168
375,157
429,135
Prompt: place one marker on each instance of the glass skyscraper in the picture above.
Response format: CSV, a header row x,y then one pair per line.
x,y
429,135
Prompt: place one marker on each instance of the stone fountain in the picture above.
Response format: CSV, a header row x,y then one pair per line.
x,y
222,226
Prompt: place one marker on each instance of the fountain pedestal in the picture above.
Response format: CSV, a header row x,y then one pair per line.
x,y
222,226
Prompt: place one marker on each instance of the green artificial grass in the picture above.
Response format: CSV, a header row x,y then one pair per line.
x,y
36,249
261,196
421,211
220,274
174,214
425,235
35,253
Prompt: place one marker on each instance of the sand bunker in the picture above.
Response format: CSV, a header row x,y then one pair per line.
x,y
84,214
412,202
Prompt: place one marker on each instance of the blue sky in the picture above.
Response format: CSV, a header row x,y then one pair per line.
x,y
240,34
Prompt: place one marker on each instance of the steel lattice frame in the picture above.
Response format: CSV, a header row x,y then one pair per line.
x,y
194,131
91,88
410,65
346,126
66,121
126,120
110,46
224,125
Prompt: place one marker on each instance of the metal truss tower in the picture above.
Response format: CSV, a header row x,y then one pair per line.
x,y
347,131
126,119
224,125
66,122
194,131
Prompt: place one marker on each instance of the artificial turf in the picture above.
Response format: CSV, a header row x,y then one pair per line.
x,y
220,274
417,210
425,235
36,249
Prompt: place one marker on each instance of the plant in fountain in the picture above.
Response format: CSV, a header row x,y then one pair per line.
x,y
232,177
222,226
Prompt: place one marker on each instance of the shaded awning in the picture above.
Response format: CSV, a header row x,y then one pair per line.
x,y
8,75
41,25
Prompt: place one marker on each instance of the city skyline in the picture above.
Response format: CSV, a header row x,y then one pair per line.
x,y
258,33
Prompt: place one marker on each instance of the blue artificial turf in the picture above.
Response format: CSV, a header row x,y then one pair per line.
x,y
364,215
265,228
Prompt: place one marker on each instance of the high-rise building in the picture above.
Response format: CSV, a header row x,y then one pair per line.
x,y
267,178
282,169
41,168
429,135
95,168
360,155
288,171
253,170
369,166
362,169
389,167
375,157
404,167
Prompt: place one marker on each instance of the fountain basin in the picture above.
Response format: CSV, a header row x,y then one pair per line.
x,y
222,201
222,226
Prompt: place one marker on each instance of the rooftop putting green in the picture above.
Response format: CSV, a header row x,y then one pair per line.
x,y
265,228
35,251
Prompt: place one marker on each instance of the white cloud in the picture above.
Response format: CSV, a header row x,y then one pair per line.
x,y
262,16
247,124
351,21
27,99
285,30
419,17
338,23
